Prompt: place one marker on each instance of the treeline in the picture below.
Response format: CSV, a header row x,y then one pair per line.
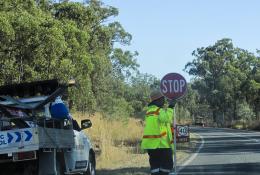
x,y
226,84
42,40
68,40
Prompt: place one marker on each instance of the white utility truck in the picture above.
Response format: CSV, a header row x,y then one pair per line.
x,y
32,141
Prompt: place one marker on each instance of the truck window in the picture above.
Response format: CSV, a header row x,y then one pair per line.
x,y
6,125
75,125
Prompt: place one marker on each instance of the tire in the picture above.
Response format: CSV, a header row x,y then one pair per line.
x,y
60,164
30,168
58,168
91,166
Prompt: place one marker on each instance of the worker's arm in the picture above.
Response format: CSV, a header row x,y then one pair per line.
x,y
166,115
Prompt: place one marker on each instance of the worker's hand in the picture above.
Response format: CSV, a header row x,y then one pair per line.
x,y
172,103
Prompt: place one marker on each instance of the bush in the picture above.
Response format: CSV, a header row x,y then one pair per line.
x,y
245,112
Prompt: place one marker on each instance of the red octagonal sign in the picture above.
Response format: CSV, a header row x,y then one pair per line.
x,y
173,86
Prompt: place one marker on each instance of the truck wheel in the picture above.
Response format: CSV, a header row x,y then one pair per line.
x,y
91,166
60,164
30,168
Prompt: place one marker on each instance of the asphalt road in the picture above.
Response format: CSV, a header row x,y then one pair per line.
x,y
224,152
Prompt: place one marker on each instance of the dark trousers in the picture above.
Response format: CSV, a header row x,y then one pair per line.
x,y
161,161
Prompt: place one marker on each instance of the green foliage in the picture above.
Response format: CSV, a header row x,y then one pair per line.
x,y
70,40
138,94
226,79
183,115
245,112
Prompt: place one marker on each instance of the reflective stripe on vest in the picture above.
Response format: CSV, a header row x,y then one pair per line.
x,y
154,136
157,112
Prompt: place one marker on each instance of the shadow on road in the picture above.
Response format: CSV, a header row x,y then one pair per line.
x,y
223,169
125,171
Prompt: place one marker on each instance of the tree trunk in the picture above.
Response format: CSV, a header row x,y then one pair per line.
x,y
235,110
214,113
257,109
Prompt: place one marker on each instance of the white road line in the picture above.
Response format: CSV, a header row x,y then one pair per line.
x,y
187,162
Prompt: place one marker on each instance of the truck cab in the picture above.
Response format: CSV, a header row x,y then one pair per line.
x,y
199,121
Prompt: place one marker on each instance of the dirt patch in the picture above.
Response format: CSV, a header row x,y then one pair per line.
x,y
137,164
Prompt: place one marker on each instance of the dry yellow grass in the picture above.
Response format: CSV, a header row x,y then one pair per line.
x,y
119,144
116,139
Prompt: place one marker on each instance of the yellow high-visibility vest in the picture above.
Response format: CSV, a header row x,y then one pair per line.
x,y
157,131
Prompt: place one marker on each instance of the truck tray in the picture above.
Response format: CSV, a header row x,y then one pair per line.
x,y
28,139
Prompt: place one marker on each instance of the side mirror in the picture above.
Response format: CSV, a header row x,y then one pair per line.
x,y
86,124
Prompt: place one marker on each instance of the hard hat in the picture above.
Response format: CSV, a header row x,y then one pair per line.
x,y
155,95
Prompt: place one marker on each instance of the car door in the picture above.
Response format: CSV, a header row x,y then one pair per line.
x,y
76,159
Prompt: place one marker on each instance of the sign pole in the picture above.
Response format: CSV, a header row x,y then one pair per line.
x,y
174,86
175,132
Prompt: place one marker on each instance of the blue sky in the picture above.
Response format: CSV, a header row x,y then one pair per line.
x,y
165,32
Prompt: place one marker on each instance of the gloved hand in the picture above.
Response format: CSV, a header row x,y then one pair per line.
x,y
172,103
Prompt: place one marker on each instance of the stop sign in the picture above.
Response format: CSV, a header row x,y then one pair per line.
x,y
173,86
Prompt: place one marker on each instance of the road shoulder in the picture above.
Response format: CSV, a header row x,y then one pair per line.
x,y
198,143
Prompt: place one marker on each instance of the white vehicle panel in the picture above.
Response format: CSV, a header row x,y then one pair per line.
x,y
77,158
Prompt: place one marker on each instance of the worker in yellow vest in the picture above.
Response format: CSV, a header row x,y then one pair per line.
x,y
158,138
